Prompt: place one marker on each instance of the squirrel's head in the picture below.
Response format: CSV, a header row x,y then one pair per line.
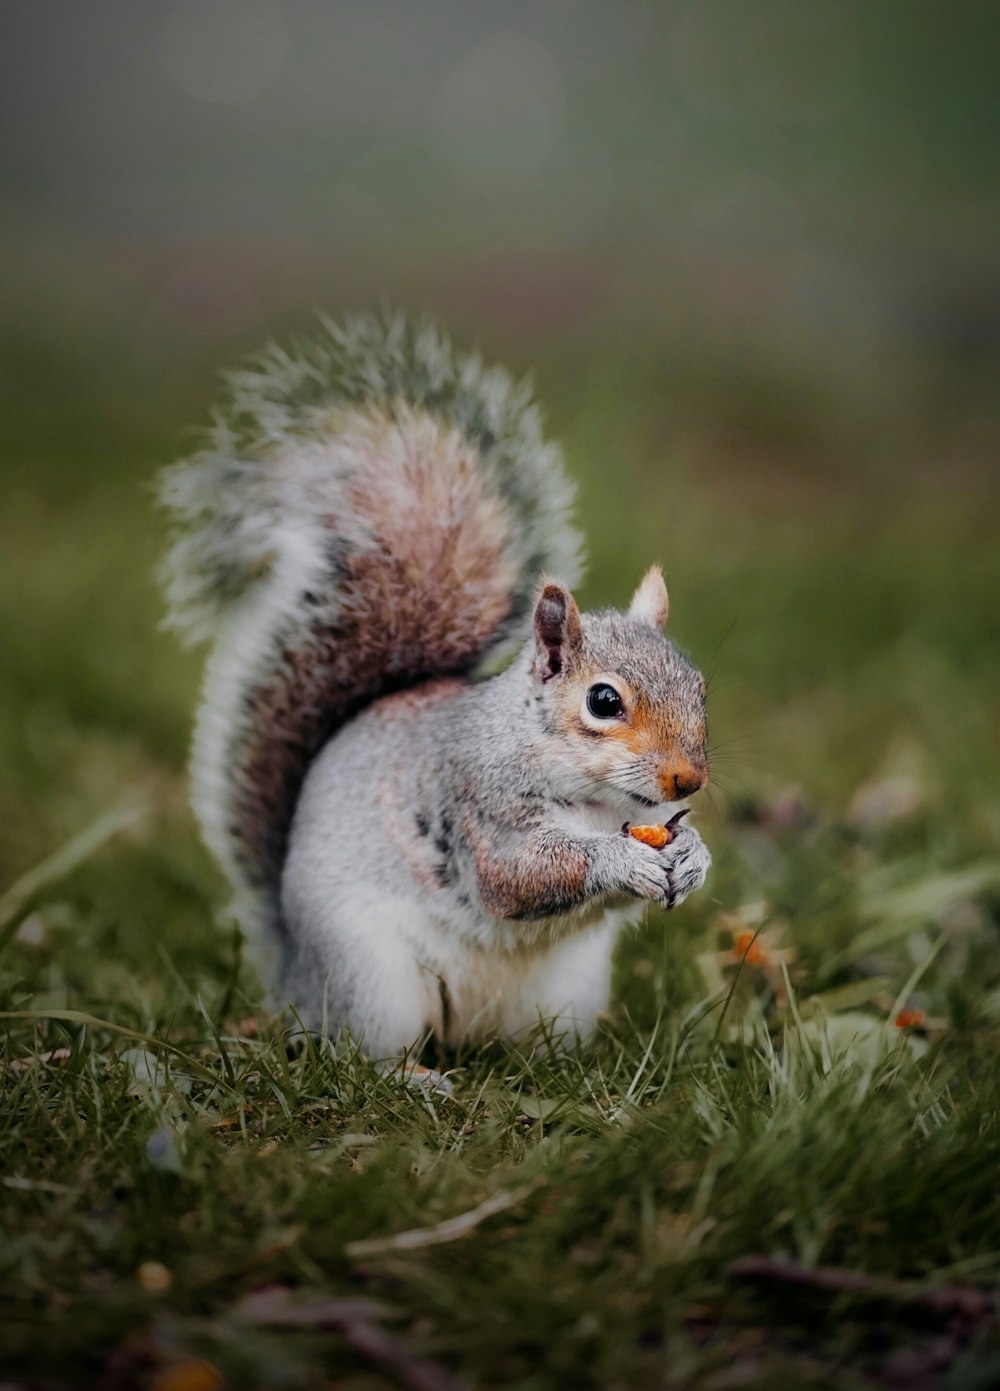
x,y
626,707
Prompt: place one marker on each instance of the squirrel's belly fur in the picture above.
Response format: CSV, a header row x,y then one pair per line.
x,y
363,537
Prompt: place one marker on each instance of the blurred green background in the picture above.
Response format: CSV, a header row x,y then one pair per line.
x,y
748,251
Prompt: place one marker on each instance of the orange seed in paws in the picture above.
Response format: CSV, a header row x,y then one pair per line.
x,y
656,836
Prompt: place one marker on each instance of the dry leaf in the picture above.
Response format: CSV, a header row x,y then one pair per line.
x,y
54,1055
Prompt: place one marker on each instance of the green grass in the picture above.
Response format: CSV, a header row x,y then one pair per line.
x,y
841,593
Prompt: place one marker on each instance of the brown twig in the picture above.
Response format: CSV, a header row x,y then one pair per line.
x,y
354,1320
965,1302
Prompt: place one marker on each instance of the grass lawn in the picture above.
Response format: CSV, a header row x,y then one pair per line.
x,y
779,1165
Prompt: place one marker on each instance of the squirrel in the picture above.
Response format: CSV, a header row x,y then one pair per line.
x,y
413,752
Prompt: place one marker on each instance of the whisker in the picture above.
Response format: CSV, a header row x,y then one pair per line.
x,y
755,766
745,737
734,788
710,674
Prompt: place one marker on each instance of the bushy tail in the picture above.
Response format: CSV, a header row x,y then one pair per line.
x,y
371,509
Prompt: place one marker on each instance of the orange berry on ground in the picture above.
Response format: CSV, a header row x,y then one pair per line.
x,y
192,1375
750,949
909,1019
154,1277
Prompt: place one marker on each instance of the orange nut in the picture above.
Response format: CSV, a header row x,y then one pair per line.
x,y
656,836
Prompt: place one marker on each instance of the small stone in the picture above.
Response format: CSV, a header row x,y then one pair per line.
x,y
32,932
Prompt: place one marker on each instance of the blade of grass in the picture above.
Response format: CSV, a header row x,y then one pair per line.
x,y
24,892
914,977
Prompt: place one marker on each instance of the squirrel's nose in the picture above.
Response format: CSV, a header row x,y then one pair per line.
x,y
683,779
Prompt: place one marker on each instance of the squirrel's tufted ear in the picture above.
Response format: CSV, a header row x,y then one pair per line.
x,y
557,629
650,602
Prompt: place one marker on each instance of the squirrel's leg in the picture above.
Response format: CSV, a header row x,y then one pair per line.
x,y
353,966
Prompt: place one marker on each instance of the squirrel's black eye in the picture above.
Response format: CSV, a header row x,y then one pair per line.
x,y
603,701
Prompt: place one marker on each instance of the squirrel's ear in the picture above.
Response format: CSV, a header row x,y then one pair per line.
x,y
557,629
650,602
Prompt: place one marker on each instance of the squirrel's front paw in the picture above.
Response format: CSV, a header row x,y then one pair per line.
x,y
667,876
690,859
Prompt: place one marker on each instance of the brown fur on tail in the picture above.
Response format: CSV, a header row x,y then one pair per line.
x,y
425,597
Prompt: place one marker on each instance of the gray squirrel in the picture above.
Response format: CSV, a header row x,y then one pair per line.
x,y
431,847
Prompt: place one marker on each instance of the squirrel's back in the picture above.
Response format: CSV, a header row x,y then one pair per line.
x,y
371,509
